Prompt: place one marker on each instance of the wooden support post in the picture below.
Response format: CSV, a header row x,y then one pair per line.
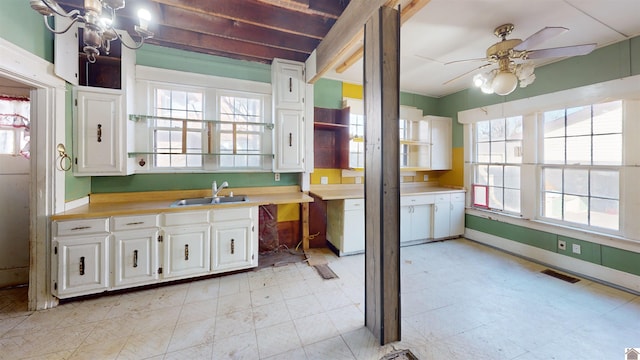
x,y
382,174
305,226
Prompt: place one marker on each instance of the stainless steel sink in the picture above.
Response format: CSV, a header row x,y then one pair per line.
x,y
210,200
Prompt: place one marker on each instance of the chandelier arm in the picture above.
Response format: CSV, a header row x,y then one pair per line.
x,y
75,20
53,6
137,45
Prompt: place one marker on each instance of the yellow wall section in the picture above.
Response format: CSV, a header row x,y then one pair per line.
x,y
455,177
352,91
334,176
288,212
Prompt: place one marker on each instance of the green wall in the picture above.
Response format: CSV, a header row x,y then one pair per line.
x,y
24,27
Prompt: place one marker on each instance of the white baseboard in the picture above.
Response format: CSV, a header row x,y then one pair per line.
x,y
13,277
582,268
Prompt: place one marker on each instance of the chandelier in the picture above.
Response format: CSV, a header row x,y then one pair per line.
x,y
503,81
98,30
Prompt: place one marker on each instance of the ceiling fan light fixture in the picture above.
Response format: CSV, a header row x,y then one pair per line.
x,y
504,83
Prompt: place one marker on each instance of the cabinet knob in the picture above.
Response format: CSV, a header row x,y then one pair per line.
x,y
290,84
290,139
135,258
99,132
81,266
186,252
233,246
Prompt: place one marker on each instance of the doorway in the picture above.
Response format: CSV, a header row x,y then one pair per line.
x,y
15,180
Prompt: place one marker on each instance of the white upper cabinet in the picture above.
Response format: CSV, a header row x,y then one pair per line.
x,y
287,80
441,142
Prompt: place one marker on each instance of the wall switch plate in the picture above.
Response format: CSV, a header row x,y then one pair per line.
x,y
425,178
576,248
562,245
358,179
277,176
324,180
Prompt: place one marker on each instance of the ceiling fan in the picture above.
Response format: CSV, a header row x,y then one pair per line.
x,y
507,52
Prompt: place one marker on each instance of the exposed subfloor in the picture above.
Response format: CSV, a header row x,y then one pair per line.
x,y
460,300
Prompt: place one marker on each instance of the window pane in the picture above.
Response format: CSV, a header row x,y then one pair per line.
x,y
576,209
7,142
483,129
607,118
512,200
605,184
484,152
579,121
576,182
553,123
498,129
495,198
553,180
179,100
495,176
514,152
514,128
579,150
607,149
605,213
482,174
480,196
498,155
554,151
552,205
512,177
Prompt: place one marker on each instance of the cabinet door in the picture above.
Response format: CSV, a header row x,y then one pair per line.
x,y
353,230
186,250
99,122
289,156
288,80
405,223
456,222
136,257
82,265
441,214
421,222
441,149
233,246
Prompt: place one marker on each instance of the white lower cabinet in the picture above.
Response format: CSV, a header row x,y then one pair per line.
x,y
136,257
345,225
82,265
235,239
186,251
415,218
448,215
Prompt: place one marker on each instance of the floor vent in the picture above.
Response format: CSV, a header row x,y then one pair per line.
x,y
325,271
400,355
560,276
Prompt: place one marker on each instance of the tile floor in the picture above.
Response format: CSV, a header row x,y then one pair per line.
x,y
460,300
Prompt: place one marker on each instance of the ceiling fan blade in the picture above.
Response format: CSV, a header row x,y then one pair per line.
x,y
466,73
540,37
564,51
465,60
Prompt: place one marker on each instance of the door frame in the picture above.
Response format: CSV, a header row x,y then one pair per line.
x,y
46,192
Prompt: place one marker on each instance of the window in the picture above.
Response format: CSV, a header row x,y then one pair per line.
x,y
498,145
582,156
178,143
14,126
239,134
356,140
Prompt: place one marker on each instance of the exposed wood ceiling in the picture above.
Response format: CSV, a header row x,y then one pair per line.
x,y
253,30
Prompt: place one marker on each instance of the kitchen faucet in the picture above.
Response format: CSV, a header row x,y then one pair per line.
x,y
215,189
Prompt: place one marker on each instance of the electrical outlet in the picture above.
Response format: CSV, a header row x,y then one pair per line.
x,y
358,179
425,177
562,245
324,180
277,176
576,248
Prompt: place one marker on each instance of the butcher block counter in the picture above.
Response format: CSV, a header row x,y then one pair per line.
x,y
356,191
148,202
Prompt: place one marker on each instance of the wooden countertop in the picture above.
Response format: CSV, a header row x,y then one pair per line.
x,y
350,191
112,204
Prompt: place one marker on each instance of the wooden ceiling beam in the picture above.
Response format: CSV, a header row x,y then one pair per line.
x,y
405,14
259,14
222,27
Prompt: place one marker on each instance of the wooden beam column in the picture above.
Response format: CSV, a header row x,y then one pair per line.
x,y
382,174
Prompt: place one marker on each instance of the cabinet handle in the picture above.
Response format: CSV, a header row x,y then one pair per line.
x,y
99,132
290,139
135,258
290,84
186,252
135,223
80,228
233,246
81,266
